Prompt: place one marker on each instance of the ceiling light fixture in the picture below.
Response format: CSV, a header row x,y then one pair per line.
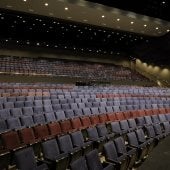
x,y
66,8
167,30
118,19
46,4
156,28
145,25
25,0
103,16
132,22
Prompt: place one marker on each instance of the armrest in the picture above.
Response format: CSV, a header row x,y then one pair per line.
x,y
114,161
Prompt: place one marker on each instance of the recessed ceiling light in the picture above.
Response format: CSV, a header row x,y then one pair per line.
x,y
167,30
118,19
25,0
66,8
132,22
38,43
69,17
156,28
163,2
103,16
46,4
85,20
145,25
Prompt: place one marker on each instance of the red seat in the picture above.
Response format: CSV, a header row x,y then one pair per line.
x,y
141,113
66,126
127,115
41,132
134,113
148,112
27,136
94,119
54,128
111,117
168,110
103,118
155,111
162,111
85,122
76,123
11,140
120,116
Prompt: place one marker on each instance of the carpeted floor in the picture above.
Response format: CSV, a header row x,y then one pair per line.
x,y
159,159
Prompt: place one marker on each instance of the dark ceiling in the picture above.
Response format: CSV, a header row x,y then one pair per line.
x,y
153,8
32,30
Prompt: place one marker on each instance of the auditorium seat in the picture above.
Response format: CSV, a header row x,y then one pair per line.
x,y
69,113
16,112
103,132
41,132
93,135
5,114
48,109
27,121
78,140
148,120
54,129
3,126
78,112
19,104
39,119
27,111
14,123
85,121
111,155
125,126
79,164
140,121
166,127
51,153
132,124
122,149
115,128
60,115
86,111
141,147
93,162
66,146
143,140
76,123
11,141
28,137
155,119
66,126
23,163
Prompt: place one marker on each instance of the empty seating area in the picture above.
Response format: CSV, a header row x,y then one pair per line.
x,y
67,127
52,67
